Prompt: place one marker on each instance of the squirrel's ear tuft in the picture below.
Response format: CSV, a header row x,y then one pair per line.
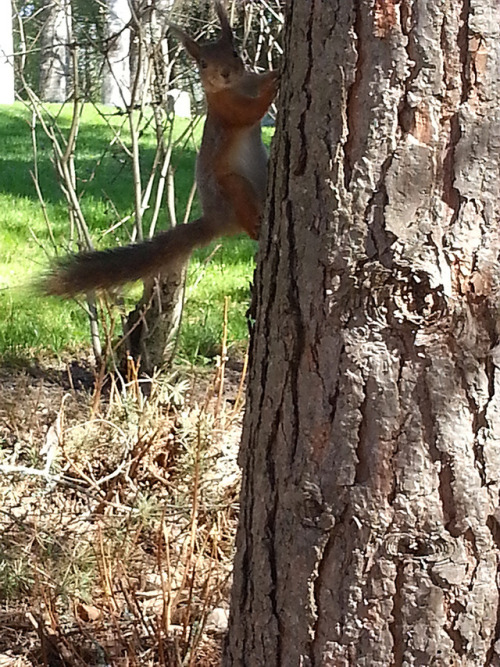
x,y
227,33
189,44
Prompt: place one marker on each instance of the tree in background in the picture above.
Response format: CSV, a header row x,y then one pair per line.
x,y
86,23
54,81
6,55
370,521
116,71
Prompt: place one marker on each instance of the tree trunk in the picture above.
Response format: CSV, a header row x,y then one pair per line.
x,y
54,52
369,529
152,328
155,322
116,74
6,55
149,55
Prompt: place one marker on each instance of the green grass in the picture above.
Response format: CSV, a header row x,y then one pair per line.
x,y
30,324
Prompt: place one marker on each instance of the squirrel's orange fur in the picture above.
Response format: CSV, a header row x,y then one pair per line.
x,y
231,175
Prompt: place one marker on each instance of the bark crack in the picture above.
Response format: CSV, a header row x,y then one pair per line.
x,y
323,571
378,236
362,468
333,400
406,111
299,333
352,112
451,194
302,158
395,626
271,525
463,46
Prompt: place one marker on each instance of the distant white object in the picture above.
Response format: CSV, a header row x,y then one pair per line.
x,y
179,102
6,54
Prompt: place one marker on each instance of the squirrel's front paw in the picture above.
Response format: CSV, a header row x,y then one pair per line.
x,y
272,80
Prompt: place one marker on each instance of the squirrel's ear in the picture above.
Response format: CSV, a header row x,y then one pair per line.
x,y
189,44
227,33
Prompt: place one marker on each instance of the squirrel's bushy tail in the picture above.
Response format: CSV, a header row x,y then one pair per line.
x,y
108,268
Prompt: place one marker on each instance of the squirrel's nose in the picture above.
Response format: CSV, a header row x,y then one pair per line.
x,y
225,73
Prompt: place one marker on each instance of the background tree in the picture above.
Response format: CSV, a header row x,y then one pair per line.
x,y
116,74
54,82
369,528
6,55
87,23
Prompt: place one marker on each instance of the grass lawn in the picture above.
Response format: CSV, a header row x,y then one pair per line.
x,y
31,325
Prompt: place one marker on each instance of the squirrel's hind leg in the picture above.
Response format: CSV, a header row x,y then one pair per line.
x,y
244,201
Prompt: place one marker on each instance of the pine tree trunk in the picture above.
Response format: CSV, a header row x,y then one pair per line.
x,y
369,530
6,55
54,52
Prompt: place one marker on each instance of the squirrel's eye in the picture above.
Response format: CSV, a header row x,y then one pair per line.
x,y
235,54
203,64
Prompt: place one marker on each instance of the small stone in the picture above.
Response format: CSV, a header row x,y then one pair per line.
x,y
217,621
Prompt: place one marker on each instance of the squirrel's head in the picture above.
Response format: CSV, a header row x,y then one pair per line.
x,y
219,63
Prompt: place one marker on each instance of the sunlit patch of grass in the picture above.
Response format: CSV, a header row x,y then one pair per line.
x,y
30,323
228,274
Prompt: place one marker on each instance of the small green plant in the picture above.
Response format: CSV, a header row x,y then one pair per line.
x,y
16,577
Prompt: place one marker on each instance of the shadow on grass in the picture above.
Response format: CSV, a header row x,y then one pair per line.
x,y
111,180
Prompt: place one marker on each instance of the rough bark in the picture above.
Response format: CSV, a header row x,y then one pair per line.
x,y
369,530
54,51
116,74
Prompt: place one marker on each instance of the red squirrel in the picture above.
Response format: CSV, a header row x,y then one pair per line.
x,y
231,175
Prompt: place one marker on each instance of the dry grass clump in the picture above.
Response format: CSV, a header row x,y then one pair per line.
x,y
118,515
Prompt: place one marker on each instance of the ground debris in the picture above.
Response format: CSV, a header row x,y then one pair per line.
x,y
117,521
